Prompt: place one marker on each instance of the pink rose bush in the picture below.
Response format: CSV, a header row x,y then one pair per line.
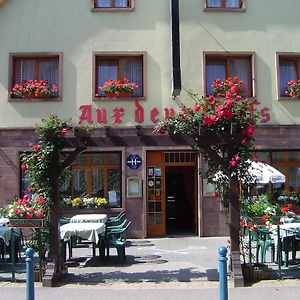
x,y
226,113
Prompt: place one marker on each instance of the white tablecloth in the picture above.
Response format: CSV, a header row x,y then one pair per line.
x,y
6,232
287,229
3,221
89,218
89,231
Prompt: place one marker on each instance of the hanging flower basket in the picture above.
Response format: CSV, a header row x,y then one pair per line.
x,y
33,223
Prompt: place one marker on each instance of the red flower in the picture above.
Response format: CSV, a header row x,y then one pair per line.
x,y
265,218
24,168
214,194
209,120
36,148
248,131
196,107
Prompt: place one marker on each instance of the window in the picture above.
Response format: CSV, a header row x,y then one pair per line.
x,y
96,175
116,67
289,69
222,67
25,67
225,4
287,162
102,5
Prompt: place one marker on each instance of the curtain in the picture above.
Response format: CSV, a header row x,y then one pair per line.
x,y
48,70
103,3
122,3
213,3
241,68
133,70
287,72
232,3
214,70
27,70
107,69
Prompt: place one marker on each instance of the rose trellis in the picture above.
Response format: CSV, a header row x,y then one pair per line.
x,y
222,126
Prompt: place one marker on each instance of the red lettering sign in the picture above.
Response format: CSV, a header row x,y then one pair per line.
x,y
101,115
118,113
139,113
86,113
153,114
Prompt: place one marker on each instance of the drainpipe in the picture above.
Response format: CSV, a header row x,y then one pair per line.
x,y
176,72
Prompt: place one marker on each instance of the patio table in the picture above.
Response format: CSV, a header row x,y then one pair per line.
x,y
89,218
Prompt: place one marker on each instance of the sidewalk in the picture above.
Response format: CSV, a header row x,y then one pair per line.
x,y
155,267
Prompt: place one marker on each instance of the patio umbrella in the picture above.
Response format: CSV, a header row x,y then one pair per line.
x,y
263,173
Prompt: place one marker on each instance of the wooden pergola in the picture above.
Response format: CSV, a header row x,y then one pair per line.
x,y
76,143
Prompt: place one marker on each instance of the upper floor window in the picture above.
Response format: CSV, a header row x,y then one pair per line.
x,y
225,4
112,4
115,67
289,69
224,66
35,76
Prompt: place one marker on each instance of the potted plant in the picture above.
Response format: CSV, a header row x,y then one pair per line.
x,y
34,89
293,90
118,88
29,211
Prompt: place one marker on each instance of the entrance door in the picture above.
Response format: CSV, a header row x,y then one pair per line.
x,y
180,200
171,193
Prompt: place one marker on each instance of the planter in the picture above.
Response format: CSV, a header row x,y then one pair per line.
x,y
118,95
255,272
33,223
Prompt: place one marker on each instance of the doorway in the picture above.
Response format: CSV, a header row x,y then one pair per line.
x,y
180,200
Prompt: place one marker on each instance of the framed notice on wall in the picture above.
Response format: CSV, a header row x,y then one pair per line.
x,y
134,187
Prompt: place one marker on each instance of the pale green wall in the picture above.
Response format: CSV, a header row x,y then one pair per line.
x,y
68,26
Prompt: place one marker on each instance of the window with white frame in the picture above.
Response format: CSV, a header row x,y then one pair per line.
x,y
289,69
224,66
119,66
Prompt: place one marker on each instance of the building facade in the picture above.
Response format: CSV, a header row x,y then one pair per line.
x,y
78,45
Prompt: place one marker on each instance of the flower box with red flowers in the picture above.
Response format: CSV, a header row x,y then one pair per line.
x,y
33,223
29,211
34,89
121,88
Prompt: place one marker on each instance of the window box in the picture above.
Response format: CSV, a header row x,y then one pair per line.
x,y
222,66
225,5
29,223
32,68
112,5
112,67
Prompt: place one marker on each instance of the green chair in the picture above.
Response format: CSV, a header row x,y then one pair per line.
x,y
117,238
264,242
116,220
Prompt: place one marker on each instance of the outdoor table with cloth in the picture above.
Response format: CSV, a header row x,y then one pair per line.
x,y
283,232
89,218
87,230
